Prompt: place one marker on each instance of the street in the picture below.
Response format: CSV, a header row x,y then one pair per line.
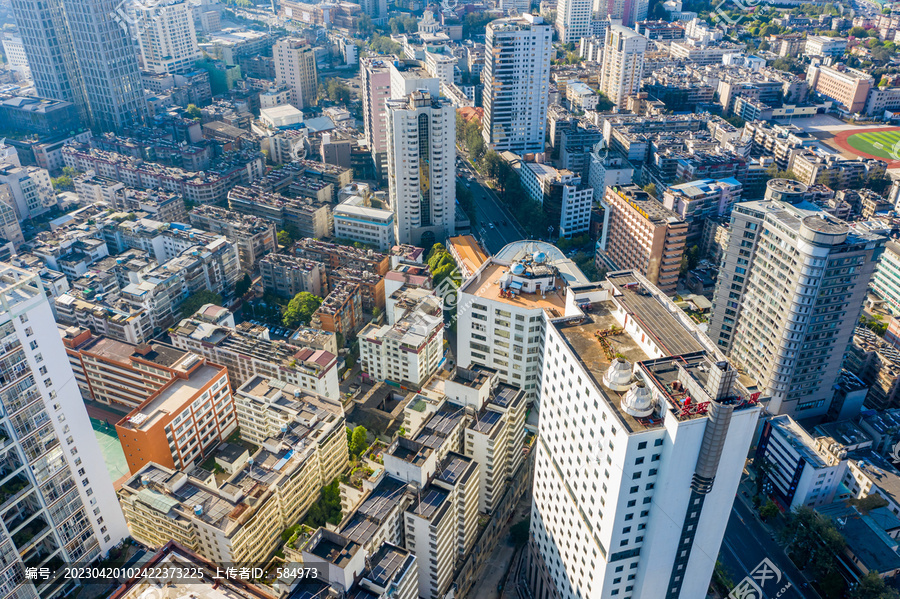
x,y
747,543
488,210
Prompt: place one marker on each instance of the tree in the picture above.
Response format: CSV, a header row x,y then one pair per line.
x,y
284,238
814,543
336,90
62,183
763,467
868,503
519,532
358,441
193,112
384,45
857,32
769,510
198,300
243,286
650,188
327,509
872,586
300,309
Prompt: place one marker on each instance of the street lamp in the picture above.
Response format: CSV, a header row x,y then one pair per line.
x,y
550,233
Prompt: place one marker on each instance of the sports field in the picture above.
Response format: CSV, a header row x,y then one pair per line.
x,y
880,144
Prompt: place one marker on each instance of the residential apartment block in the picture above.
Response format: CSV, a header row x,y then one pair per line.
x,y
645,235
71,516
295,67
287,275
311,217
623,63
342,310
699,201
241,519
407,349
246,355
254,237
183,421
421,172
886,281
516,78
793,353
167,37
565,200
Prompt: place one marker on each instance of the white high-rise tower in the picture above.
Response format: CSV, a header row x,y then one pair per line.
x,y
573,20
421,173
643,435
516,79
623,64
167,37
58,502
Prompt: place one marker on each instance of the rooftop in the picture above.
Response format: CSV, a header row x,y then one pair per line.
x,y
172,397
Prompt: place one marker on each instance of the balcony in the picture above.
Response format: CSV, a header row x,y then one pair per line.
x,y
13,488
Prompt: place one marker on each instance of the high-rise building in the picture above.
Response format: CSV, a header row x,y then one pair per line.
x,y
167,37
643,434
628,11
80,51
501,310
573,20
790,289
54,476
51,56
623,64
516,79
421,172
375,74
295,67
645,235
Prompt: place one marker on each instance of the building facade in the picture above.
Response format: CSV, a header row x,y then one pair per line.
x,y
516,79
645,235
295,67
421,172
167,37
69,500
614,416
623,64
793,353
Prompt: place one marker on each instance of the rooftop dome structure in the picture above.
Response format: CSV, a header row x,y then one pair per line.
x,y
618,375
638,401
540,257
518,269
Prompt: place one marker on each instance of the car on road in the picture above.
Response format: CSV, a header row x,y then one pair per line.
x,y
491,225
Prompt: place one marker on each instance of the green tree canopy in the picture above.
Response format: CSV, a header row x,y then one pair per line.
x,y
243,285
284,238
872,586
300,309
198,300
193,112
358,441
